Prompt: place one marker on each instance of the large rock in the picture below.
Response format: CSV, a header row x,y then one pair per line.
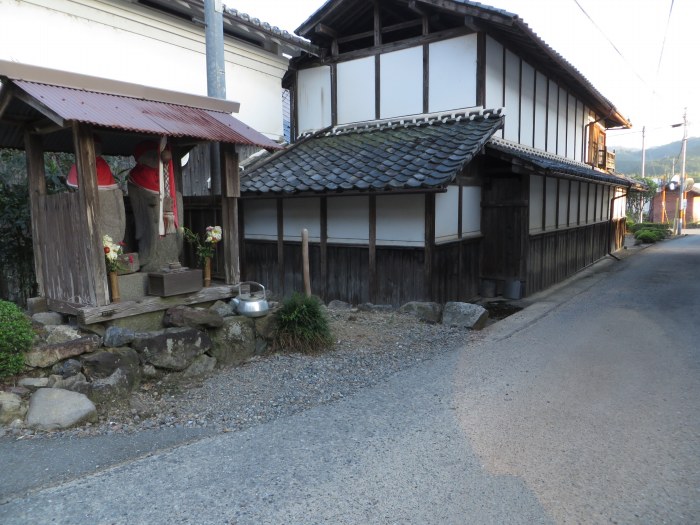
x,y
60,334
336,304
376,308
48,318
55,409
116,336
202,365
67,368
114,388
172,348
465,315
104,363
67,383
11,407
234,342
428,312
148,322
48,355
266,326
193,317
224,309
34,382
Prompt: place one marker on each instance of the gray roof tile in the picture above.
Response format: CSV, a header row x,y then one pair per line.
x,y
424,151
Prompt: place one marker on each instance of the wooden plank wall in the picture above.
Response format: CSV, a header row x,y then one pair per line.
x,y
199,213
553,256
65,273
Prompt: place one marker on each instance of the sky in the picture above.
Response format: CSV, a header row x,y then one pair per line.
x,y
632,51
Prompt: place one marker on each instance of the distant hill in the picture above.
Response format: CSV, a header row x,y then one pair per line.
x,y
659,159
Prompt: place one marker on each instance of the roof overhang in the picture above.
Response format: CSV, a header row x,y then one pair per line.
x,y
46,101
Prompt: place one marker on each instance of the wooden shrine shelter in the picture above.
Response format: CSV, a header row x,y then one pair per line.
x,y
44,110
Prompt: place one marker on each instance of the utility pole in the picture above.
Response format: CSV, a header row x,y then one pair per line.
x,y
681,187
216,74
644,171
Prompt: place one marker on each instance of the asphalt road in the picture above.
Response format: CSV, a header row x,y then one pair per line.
x,y
583,408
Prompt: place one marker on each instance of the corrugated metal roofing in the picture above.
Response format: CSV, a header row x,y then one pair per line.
x,y
143,116
424,152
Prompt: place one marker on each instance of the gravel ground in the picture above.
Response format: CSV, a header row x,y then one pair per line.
x,y
370,346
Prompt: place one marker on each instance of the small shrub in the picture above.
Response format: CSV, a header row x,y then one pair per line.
x,y
16,335
302,325
664,227
649,235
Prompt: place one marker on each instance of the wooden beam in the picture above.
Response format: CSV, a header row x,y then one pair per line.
x,y
481,69
41,108
377,87
324,247
230,191
89,315
323,29
36,176
280,244
85,159
426,78
5,97
334,94
429,246
241,240
377,24
372,263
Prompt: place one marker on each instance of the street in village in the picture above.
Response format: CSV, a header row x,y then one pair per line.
x,y
582,408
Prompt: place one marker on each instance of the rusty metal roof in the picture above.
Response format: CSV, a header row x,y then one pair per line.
x,y
49,101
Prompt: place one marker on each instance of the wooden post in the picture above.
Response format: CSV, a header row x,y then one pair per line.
x,y
429,245
280,244
230,191
305,261
93,255
37,187
324,247
372,263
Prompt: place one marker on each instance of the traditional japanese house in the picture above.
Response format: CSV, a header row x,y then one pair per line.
x,y
43,110
441,148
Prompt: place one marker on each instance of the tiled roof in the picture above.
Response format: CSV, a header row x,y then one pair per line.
x,y
554,164
420,152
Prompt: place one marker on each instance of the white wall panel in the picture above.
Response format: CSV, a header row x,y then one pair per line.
x,y
527,105
591,203
401,220
348,220
452,73
299,214
552,111
599,203
571,129
562,123
314,95
551,209
620,204
511,125
579,132
471,210
260,219
446,211
606,203
401,83
583,202
536,199
540,111
494,76
573,209
356,90
563,200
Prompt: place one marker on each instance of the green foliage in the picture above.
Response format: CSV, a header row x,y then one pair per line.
x,y
662,226
649,235
636,200
302,325
16,335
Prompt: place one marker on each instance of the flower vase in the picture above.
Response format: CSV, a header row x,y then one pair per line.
x,y
207,272
114,286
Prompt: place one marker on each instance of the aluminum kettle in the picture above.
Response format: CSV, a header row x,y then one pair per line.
x,y
250,303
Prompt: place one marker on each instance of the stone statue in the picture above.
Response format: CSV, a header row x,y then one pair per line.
x,y
157,207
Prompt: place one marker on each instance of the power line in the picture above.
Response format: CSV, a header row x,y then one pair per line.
x,y
663,44
612,44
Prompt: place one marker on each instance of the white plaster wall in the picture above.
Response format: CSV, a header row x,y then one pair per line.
x,y
356,90
552,107
562,123
512,100
571,129
471,210
620,204
123,41
401,220
551,210
314,98
541,112
494,76
527,105
573,211
579,132
536,199
302,213
401,83
452,73
348,220
563,200
606,203
446,213
260,219
591,204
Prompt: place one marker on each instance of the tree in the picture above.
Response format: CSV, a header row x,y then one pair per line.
x,y
638,200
